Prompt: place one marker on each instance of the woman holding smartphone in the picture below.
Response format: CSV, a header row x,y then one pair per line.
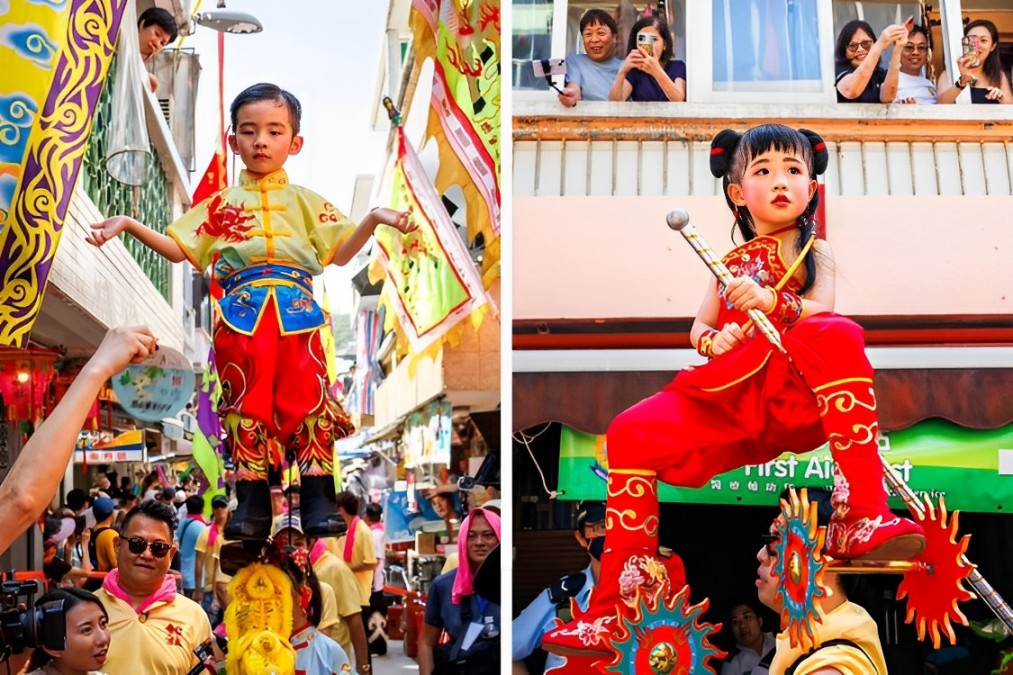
x,y
649,72
859,77
979,67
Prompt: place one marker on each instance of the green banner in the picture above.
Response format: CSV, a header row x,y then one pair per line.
x,y
935,457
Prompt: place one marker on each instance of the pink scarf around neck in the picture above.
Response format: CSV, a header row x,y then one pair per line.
x,y
319,548
166,593
350,539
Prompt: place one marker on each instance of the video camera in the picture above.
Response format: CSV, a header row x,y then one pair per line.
x,y
205,651
22,624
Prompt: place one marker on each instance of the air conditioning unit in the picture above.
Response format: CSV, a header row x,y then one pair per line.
x,y
178,72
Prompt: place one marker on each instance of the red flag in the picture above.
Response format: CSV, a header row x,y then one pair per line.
x,y
214,179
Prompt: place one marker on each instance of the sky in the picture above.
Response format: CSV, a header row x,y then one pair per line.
x,y
326,53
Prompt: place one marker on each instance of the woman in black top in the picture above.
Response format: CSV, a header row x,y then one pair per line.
x,y
981,71
859,78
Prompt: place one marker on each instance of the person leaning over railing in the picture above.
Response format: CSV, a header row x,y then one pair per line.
x,y
651,72
589,76
912,85
31,482
980,68
858,76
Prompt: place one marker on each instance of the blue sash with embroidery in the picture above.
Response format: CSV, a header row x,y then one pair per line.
x,y
247,291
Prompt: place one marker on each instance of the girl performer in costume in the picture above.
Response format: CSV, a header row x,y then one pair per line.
x,y
750,403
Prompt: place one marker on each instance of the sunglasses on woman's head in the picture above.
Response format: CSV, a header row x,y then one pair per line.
x,y
159,549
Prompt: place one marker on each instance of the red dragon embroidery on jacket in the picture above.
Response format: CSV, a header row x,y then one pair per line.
x,y
226,221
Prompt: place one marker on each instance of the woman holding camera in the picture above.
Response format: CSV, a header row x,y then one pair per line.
x,y
979,67
649,72
85,634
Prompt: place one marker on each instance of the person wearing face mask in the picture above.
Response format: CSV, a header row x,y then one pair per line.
x,y
86,641
912,85
155,629
539,616
554,602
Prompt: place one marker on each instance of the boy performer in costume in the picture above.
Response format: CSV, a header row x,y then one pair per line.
x,y
265,239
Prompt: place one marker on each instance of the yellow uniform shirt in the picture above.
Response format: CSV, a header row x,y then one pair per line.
x,y
262,221
849,622
328,607
105,549
332,570
159,641
362,553
211,554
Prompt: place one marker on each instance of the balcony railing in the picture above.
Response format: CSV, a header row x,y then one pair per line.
x,y
663,149
149,203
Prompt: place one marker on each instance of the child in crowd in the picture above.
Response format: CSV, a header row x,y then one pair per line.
x,y
750,402
265,239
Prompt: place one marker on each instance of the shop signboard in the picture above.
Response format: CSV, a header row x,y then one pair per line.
x,y
427,435
404,514
127,447
972,469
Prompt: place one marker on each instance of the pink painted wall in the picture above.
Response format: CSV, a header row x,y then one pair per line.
x,y
614,257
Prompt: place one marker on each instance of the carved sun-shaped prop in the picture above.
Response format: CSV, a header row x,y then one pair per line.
x,y
664,636
933,590
799,567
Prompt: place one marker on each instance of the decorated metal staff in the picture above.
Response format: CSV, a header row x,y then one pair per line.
x,y
678,220
941,540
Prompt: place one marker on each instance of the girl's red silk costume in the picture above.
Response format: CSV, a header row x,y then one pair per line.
x,y
746,406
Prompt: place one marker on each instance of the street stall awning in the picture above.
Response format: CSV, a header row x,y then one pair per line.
x,y
126,447
975,398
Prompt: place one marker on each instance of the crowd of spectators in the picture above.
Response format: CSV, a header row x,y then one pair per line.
x,y
893,66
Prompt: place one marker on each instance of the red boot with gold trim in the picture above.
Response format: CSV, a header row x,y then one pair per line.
x,y
862,527
630,561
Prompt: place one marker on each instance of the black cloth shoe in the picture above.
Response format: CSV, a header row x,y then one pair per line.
x,y
252,517
318,508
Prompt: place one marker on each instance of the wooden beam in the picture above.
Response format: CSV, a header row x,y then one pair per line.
x,y
833,129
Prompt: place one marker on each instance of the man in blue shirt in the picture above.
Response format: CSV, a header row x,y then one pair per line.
x,y
187,533
590,76
537,618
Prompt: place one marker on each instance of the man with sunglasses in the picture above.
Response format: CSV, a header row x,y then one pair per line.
x,y
153,629
912,85
846,639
